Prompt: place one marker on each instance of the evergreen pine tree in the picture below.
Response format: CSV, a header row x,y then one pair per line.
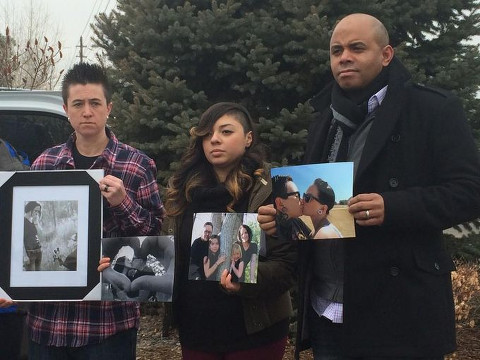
x,y
172,59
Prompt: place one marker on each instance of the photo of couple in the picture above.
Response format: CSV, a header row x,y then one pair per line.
x,y
311,201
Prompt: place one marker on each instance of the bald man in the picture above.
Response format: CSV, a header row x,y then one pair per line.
x,y
387,293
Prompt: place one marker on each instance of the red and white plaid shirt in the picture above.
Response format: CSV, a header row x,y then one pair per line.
x,y
77,324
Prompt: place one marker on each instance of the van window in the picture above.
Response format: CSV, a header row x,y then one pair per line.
x,y
33,132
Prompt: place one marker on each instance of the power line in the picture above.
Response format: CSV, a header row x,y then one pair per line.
x,y
85,35
106,7
89,17
88,27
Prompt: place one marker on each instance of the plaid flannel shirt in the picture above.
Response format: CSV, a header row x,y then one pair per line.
x,y
77,324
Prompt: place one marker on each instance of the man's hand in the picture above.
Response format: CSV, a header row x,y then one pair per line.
x,y
118,280
163,283
227,284
266,219
112,189
367,209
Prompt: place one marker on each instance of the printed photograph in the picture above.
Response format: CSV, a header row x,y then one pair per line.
x,y
53,225
231,241
311,201
50,236
142,268
51,221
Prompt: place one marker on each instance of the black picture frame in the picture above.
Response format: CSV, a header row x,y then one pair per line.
x,y
79,187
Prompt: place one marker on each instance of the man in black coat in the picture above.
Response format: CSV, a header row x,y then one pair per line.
x,y
416,172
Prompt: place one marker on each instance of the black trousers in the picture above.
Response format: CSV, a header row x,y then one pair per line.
x,y
11,333
326,339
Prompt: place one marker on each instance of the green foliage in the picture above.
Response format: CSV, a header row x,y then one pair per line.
x,y
172,59
465,249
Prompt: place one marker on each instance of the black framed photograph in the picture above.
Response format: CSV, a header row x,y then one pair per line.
x,y
51,225
141,269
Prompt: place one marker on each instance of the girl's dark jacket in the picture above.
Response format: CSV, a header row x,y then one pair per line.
x,y
268,301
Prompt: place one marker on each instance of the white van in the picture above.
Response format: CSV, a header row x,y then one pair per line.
x,y
33,121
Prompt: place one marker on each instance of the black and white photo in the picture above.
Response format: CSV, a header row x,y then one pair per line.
x,y
142,268
52,223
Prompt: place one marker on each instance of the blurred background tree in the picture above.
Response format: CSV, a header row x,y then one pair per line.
x,y
31,65
172,59
29,58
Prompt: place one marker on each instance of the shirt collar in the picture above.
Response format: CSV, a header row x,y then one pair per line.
x,y
377,99
108,155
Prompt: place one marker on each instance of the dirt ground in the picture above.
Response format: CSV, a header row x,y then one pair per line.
x,y
152,345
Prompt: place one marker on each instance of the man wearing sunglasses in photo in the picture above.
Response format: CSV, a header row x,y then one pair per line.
x,y
416,172
289,207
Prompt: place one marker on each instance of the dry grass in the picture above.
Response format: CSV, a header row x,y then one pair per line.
x,y
343,220
465,285
338,216
466,291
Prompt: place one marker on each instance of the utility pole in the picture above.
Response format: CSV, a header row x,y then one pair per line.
x,y
81,49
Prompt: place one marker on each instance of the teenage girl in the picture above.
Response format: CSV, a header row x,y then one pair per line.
x,y
223,170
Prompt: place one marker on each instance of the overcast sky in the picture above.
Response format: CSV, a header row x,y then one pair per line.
x,y
65,20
